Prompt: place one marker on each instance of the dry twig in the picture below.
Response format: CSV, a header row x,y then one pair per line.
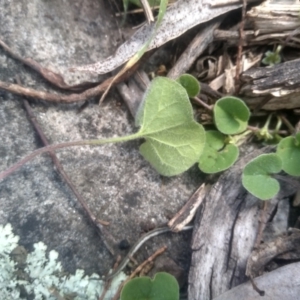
x,y
52,77
58,81
73,98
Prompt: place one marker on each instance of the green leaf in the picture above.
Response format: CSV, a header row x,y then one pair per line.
x,y
257,176
174,141
190,83
231,115
217,156
271,58
289,152
163,287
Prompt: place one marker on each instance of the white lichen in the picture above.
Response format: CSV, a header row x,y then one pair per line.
x,y
46,280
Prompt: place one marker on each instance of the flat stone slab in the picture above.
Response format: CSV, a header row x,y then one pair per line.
x,y
116,183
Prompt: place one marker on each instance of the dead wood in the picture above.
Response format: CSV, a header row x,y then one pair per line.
x,y
280,83
284,76
188,211
270,22
272,16
133,91
283,244
225,231
179,17
198,45
72,98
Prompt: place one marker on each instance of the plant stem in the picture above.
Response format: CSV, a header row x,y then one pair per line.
x,y
256,129
287,123
202,103
37,152
253,128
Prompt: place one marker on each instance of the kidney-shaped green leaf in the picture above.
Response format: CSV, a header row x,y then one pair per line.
x,y
190,83
174,140
231,115
257,176
289,152
163,287
217,156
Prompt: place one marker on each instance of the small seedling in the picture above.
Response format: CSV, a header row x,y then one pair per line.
x,y
264,133
231,117
174,141
163,287
272,58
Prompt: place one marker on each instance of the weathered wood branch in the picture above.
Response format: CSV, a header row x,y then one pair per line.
x,y
273,23
281,83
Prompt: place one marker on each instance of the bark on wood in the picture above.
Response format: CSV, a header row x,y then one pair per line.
x,y
281,83
195,49
283,244
225,231
270,22
284,76
273,16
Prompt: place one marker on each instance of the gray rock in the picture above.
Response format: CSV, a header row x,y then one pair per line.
x,y
117,184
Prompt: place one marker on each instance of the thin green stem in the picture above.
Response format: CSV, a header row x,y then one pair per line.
x,y
267,124
239,139
40,151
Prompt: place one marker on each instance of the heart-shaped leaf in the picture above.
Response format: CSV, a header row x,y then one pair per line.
x,y
190,83
174,140
257,176
231,115
289,152
217,156
163,287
